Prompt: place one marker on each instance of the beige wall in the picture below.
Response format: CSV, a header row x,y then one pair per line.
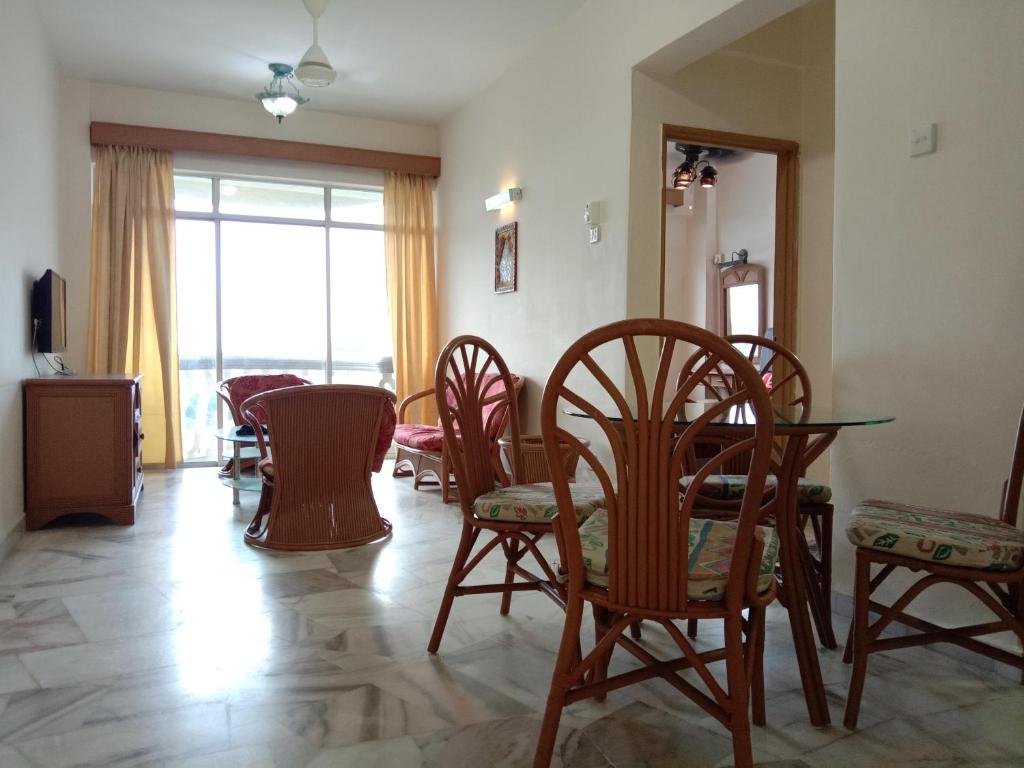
x,y
929,267
28,213
83,102
558,124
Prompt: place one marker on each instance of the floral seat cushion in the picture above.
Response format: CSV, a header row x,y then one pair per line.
x,y
535,503
936,535
422,437
710,546
732,487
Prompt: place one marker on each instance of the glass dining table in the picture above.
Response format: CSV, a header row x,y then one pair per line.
x,y
802,435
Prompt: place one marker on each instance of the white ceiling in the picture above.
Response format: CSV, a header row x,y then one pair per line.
x,y
411,60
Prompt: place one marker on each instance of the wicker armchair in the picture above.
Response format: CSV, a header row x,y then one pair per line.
x,y
237,389
327,439
420,448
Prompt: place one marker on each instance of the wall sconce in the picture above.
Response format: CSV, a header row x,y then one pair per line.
x,y
503,198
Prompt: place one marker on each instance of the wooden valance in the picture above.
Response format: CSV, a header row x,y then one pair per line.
x,y
174,140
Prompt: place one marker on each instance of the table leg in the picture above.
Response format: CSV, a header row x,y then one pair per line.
x,y
793,581
236,471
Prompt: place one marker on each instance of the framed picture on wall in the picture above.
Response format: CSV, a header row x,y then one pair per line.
x,y
506,254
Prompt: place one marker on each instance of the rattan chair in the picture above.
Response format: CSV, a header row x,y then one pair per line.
x,y
790,387
327,439
512,518
420,449
981,554
644,557
235,390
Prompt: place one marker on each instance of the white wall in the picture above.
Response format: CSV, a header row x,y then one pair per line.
x,y
558,124
84,101
28,211
929,266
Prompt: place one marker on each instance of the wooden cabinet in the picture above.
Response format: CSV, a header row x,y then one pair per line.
x,y
83,447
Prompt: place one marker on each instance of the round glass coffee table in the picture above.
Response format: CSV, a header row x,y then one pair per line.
x,y
242,447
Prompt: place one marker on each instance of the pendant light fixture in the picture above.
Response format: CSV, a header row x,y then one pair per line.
x,y
281,97
314,70
693,167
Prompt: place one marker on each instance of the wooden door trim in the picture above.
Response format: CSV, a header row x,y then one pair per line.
x,y
787,153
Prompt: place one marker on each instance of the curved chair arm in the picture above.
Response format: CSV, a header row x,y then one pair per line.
x,y
410,400
222,393
252,421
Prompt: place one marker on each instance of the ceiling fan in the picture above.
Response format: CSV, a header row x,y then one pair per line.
x,y
281,97
315,69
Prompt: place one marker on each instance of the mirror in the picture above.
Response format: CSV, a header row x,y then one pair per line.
x,y
743,299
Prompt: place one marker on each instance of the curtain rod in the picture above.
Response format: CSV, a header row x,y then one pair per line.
x,y
174,140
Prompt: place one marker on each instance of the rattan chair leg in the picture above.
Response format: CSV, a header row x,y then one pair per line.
x,y
739,692
602,620
691,629
511,558
859,631
461,557
756,646
561,680
635,630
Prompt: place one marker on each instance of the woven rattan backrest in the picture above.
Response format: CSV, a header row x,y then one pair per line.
x,y
648,518
470,376
789,386
323,438
1011,493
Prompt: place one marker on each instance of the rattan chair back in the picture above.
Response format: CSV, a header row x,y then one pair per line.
x,y
648,521
475,394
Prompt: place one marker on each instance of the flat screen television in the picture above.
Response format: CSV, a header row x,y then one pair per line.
x,y
49,313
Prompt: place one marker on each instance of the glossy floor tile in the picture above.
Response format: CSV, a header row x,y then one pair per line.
x,y
172,644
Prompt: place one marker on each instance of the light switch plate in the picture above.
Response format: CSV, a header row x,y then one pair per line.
x,y
922,140
595,233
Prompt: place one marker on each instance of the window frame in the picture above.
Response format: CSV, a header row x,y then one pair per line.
x,y
216,217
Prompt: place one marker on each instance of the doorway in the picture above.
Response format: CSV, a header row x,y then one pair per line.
x,y
729,232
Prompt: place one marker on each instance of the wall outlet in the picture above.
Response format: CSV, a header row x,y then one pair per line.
x,y
595,233
922,140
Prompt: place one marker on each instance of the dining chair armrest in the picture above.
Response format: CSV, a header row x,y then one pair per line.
x,y
410,400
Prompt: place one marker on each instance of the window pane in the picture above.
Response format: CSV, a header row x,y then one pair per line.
x,y
197,338
274,314
357,206
360,320
259,198
193,193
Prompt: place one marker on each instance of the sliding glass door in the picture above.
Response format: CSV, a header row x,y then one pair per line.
x,y
275,278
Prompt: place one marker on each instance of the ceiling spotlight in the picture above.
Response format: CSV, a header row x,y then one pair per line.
x,y
708,177
683,175
280,98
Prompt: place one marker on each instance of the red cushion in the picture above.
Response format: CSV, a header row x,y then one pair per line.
x,y
244,387
419,436
387,430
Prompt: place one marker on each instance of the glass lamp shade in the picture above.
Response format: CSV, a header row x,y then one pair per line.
x,y
708,177
280,105
683,175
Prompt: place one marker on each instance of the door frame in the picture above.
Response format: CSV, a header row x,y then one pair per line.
x,y
787,153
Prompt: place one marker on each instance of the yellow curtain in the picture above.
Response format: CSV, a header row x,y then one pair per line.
x,y
409,255
132,316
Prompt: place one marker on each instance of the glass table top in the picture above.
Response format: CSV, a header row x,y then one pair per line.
x,y
231,433
823,417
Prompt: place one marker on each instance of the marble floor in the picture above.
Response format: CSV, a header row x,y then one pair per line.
x,y
172,644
